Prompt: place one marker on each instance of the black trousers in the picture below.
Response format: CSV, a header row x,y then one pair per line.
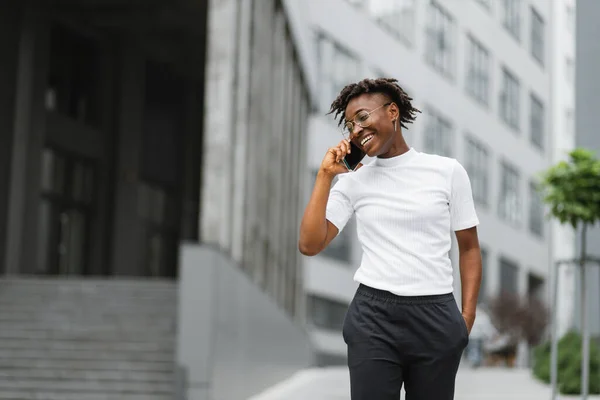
x,y
393,340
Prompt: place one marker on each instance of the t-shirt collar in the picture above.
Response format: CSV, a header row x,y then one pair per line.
x,y
402,159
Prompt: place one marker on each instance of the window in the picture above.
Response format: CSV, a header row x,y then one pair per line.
x,y
486,3
537,121
478,71
509,277
570,18
439,49
325,313
68,186
536,211
339,247
483,290
337,68
509,206
535,287
509,99
569,70
438,134
397,16
477,166
357,3
512,17
570,123
537,36
73,81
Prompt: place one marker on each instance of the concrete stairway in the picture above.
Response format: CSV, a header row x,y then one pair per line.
x,y
87,339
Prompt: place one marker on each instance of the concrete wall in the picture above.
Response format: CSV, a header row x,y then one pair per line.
x,y
587,127
256,117
233,340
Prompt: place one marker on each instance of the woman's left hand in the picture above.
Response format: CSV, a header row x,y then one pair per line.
x,y
469,320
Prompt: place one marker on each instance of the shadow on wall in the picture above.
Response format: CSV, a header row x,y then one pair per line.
x,y
233,341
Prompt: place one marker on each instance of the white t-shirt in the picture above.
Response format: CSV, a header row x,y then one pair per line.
x,y
406,209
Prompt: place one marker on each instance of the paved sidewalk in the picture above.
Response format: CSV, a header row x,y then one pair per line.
x,y
479,384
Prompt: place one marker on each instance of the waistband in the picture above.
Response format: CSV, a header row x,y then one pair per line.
x,y
391,297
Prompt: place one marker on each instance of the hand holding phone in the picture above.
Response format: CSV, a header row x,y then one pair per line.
x,y
352,160
337,160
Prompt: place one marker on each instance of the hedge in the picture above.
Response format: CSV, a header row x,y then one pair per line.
x,y
569,364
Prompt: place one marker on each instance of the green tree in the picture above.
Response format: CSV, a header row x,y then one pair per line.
x,y
571,189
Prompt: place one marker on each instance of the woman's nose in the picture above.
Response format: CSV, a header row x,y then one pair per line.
x,y
356,130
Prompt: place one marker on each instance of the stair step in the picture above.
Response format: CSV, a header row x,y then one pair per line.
x,y
90,355
78,311
125,347
101,300
80,317
136,283
88,290
98,295
104,329
61,322
81,375
89,312
88,386
92,293
53,395
124,308
85,335
86,365
87,339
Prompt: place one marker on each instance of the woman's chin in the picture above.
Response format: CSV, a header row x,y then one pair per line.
x,y
372,151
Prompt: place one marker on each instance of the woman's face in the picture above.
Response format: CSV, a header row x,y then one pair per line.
x,y
376,114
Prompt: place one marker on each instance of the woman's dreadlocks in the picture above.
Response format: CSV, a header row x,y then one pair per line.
x,y
388,86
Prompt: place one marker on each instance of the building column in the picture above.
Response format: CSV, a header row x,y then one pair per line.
x,y
191,182
10,20
279,138
126,238
29,128
218,147
241,142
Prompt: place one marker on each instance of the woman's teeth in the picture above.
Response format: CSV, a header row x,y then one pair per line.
x,y
365,140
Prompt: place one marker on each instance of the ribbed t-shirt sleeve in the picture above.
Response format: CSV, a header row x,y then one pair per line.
x,y
462,207
339,207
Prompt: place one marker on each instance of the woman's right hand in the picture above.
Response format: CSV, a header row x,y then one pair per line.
x,y
332,164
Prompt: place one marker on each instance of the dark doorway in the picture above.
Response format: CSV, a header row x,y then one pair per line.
x,y
162,169
66,213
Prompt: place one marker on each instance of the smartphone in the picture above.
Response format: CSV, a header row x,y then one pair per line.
x,y
356,155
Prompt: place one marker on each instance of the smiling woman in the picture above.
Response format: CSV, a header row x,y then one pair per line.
x,y
403,325
357,106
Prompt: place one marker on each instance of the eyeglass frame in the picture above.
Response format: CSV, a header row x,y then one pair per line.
x,y
354,123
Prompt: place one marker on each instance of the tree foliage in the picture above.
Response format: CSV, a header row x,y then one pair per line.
x,y
572,189
520,317
569,364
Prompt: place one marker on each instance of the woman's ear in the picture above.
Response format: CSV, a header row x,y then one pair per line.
x,y
394,112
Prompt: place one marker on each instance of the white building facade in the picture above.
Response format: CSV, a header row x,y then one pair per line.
x,y
482,73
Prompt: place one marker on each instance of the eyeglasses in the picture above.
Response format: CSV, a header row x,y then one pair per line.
x,y
362,119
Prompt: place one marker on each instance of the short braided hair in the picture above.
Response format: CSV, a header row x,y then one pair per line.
x,y
387,86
